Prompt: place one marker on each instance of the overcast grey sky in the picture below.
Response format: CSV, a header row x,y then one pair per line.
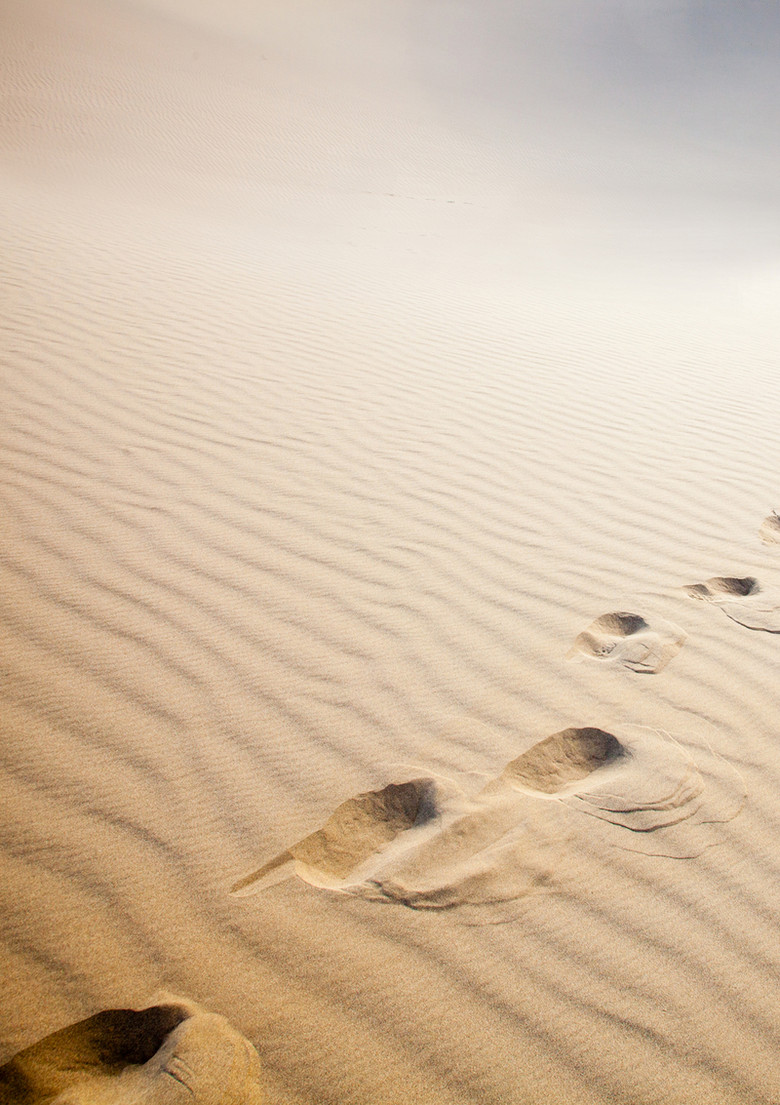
x,y
649,124
667,107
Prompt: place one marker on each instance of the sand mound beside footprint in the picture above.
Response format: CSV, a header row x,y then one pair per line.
x,y
628,640
504,848
166,1054
742,599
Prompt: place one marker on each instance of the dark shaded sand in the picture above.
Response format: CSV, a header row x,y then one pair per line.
x,y
770,529
741,598
628,640
166,1054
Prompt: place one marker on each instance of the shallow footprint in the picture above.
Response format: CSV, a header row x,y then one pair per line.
x,y
635,779
628,640
742,599
770,529
167,1054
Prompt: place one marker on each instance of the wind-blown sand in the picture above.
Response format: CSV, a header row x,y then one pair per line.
x,y
360,372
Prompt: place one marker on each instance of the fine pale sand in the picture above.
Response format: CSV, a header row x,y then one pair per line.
x,y
387,426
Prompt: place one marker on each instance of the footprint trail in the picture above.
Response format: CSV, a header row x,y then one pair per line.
x,y
427,845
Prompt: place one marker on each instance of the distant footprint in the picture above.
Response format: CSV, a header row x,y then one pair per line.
x,y
628,640
770,529
166,1054
741,599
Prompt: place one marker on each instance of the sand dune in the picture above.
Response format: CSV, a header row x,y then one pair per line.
x,y
363,365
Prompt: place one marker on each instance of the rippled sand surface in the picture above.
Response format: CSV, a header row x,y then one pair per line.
x,y
363,366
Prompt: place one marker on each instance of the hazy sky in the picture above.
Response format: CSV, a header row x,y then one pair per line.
x,y
663,107
649,125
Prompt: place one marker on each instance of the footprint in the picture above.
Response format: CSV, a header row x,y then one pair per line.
x,y
770,529
358,832
743,600
641,780
424,844
561,761
166,1054
628,640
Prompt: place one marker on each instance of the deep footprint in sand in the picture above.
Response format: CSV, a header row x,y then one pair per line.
x,y
770,529
742,599
636,779
629,641
171,1053
357,833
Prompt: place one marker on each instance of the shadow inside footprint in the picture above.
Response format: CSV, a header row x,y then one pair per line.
x,y
639,779
359,830
770,529
563,759
742,599
162,1055
629,641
